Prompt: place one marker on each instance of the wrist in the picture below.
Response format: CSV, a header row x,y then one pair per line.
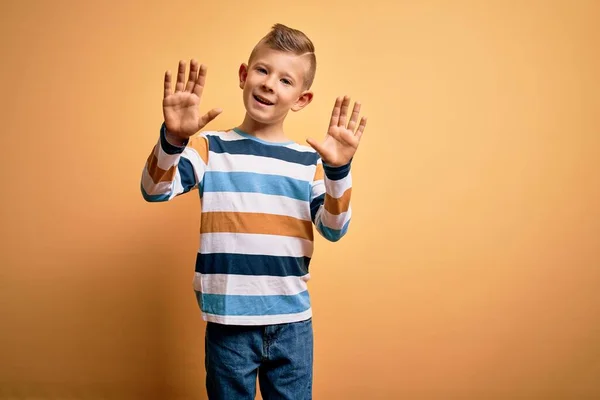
x,y
174,139
337,172
171,145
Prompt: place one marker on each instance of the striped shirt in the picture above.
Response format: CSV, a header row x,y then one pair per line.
x,y
259,201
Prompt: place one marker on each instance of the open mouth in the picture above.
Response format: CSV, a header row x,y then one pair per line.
x,y
262,100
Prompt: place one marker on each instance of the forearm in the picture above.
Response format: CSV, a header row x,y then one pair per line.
x,y
161,177
333,217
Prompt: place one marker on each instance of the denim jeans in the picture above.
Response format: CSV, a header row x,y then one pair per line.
x,y
281,355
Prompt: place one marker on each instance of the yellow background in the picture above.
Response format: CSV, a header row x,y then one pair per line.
x,y
472,266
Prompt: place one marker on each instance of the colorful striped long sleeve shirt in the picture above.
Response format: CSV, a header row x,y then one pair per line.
x,y
259,201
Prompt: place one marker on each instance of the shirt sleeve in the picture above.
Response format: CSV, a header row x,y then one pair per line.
x,y
330,200
174,170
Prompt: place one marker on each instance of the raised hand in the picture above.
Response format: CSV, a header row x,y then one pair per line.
x,y
181,108
341,141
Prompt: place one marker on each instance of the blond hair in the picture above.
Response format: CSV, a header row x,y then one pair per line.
x,y
290,40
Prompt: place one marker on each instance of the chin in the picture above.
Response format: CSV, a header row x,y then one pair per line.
x,y
259,117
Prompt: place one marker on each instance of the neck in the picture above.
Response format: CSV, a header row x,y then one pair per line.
x,y
267,132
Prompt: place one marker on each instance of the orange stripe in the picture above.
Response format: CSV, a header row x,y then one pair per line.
x,y
338,206
266,224
200,144
156,173
319,174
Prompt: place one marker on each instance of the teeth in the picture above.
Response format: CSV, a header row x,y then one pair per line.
x,y
263,100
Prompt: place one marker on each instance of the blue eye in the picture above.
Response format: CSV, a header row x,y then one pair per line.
x,y
261,70
286,82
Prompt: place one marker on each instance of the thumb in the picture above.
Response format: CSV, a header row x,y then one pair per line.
x,y
315,145
209,116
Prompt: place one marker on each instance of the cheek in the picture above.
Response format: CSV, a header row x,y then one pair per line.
x,y
290,95
248,87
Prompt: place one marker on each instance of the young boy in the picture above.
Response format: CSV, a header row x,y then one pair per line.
x,y
260,195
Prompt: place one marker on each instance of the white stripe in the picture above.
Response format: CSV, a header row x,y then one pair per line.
x,y
337,188
335,221
251,243
165,161
250,285
255,203
228,136
177,186
225,162
317,189
257,319
232,135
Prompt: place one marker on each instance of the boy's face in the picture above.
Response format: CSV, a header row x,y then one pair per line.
x,y
273,84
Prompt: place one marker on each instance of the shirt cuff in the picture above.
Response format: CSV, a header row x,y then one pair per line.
x,y
336,173
168,147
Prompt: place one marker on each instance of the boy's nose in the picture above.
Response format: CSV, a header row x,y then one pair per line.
x,y
268,84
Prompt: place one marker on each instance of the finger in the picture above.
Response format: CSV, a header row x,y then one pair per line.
x,y
354,117
200,81
317,146
209,116
180,76
361,128
167,87
192,77
335,114
344,112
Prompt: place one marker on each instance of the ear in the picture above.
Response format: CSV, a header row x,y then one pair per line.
x,y
243,74
304,100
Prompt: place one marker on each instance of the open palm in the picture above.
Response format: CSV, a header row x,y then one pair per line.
x,y
181,108
341,141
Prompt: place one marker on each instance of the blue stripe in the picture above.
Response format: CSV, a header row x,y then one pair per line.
x,y
315,204
252,147
220,304
336,173
251,264
154,198
331,234
168,147
186,171
201,188
250,182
